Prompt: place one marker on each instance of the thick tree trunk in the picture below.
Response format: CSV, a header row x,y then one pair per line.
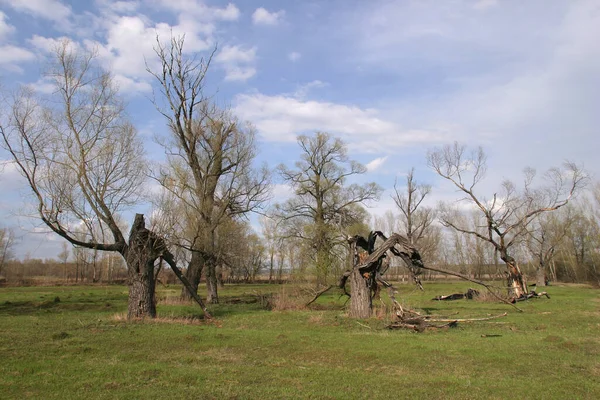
x,y
140,256
193,274
360,294
142,302
540,275
360,300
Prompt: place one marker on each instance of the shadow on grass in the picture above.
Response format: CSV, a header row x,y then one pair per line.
x,y
16,308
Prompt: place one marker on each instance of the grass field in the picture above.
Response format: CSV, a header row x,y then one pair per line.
x,y
72,342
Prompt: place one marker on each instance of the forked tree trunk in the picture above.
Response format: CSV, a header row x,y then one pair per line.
x,y
193,274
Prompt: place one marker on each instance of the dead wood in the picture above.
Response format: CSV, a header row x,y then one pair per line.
x,y
319,293
469,294
530,295
168,257
420,323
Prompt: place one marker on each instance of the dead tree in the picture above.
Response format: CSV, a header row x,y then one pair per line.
x,y
507,214
367,274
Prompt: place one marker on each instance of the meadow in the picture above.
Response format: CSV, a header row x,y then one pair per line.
x,y
72,342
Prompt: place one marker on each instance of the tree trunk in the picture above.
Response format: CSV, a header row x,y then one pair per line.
x,y
271,265
212,296
360,300
360,295
140,256
540,275
517,286
142,302
193,274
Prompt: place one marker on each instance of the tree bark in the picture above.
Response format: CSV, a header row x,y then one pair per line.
x,y
360,294
540,275
142,302
140,255
212,296
360,300
517,286
193,274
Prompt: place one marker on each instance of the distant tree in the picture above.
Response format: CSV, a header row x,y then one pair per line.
x,y
7,242
508,214
63,258
544,235
323,202
415,219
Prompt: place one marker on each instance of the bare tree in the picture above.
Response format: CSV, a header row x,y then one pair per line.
x,y
508,214
323,202
63,258
544,235
211,156
84,165
7,242
415,218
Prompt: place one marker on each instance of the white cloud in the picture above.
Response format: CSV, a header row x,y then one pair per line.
x,y
5,28
43,86
237,62
199,10
53,10
376,164
261,16
132,85
294,56
303,90
121,7
13,55
48,45
130,42
281,192
281,118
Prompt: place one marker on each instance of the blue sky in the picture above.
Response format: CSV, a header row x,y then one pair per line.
x,y
392,78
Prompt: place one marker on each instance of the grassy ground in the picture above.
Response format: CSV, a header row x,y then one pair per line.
x,y
71,342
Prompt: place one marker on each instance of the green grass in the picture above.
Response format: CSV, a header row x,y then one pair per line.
x,y
66,342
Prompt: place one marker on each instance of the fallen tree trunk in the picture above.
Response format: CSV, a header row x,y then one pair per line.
x,y
414,321
530,295
469,294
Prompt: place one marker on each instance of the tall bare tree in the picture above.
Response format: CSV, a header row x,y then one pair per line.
x,y
323,202
7,242
544,235
509,213
415,218
210,158
84,164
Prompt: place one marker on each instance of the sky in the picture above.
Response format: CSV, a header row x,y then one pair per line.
x,y
393,79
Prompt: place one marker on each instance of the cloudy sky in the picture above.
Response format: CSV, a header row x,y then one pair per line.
x,y
392,78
